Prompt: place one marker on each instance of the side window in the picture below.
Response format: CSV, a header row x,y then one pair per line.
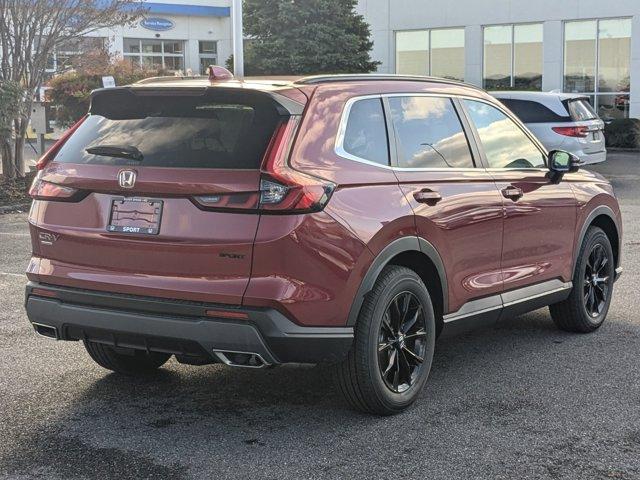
x,y
505,144
366,133
533,112
429,133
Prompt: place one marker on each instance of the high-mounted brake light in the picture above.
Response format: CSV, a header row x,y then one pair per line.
x,y
580,132
284,189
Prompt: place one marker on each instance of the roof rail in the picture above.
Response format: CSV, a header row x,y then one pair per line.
x,y
169,78
316,79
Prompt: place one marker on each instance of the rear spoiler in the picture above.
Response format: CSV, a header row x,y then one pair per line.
x,y
102,98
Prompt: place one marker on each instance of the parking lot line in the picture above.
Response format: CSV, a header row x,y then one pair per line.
x,y
11,234
12,274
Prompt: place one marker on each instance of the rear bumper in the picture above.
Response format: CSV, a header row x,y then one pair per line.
x,y
179,327
592,158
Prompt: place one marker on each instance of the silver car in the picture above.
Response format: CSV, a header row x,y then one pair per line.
x,y
561,121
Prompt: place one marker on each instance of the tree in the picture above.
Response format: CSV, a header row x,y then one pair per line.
x,y
30,31
305,37
70,92
11,104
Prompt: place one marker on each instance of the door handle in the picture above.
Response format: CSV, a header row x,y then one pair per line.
x,y
427,196
512,192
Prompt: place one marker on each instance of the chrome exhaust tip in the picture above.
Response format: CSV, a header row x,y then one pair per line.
x,y
241,359
46,331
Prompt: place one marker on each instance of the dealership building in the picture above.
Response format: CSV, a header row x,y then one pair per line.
x,y
174,35
585,46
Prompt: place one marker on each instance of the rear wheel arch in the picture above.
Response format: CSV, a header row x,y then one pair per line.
x,y
418,255
604,218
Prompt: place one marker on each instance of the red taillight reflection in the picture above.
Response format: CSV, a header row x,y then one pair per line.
x,y
41,292
226,314
580,132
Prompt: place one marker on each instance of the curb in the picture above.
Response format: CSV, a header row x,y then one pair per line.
x,y
13,208
623,150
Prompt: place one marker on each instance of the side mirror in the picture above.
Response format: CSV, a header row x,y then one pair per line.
x,y
563,162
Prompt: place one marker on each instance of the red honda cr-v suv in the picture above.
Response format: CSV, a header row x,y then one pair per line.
x,y
340,219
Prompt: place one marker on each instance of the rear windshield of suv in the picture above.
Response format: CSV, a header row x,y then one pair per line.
x,y
581,110
227,129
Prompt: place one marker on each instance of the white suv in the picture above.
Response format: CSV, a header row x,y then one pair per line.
x,y
561,121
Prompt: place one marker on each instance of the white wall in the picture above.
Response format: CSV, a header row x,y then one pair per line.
x,y
388,16
190,29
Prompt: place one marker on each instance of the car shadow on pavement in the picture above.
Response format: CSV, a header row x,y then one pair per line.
x,y
517,375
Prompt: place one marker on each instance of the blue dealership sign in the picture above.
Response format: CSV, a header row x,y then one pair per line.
x,y
157,24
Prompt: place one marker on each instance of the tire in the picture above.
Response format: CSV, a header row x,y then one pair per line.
x,y
578,313
360,377
136,363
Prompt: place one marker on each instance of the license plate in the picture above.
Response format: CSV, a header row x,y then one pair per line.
x,y
135,216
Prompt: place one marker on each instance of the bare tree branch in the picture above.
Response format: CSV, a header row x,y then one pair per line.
x,y
32,30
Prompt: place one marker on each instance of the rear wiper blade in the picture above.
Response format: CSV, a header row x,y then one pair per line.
x,y
118,151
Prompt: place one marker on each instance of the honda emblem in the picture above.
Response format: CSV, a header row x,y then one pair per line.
x,y
126,178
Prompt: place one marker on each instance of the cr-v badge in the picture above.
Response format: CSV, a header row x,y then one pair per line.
x,y
126,178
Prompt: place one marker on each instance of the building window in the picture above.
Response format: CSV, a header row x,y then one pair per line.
x,y
513,57
208,52
431,52
68,54
597,56
155,54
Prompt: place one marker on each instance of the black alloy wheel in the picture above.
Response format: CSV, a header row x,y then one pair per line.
x,y
402,342
596,281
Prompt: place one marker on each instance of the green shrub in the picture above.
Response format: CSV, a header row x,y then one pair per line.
x,y
623,133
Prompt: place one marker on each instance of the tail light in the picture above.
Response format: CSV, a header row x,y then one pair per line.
x,y
580,132
282,189
43,190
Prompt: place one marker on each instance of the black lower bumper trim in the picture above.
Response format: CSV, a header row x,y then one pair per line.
x,y
181,328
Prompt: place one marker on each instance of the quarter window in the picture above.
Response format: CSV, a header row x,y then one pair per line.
x,y
429,133
366,133
529,111
505,144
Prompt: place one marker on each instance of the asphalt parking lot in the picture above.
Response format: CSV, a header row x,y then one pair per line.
x,y
520,400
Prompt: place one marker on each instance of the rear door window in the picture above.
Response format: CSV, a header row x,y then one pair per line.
x,y
222,131
429,133
533,112
581,110
366,132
